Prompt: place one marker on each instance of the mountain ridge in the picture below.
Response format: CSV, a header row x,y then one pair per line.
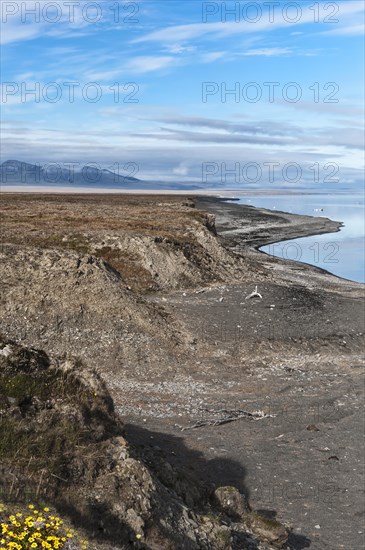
x,y
61,173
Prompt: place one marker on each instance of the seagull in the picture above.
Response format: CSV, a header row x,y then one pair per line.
x,y
254,294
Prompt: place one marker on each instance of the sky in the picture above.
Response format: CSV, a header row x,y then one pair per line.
x,y
227,94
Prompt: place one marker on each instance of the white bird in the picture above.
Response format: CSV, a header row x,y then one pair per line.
x,y
254,294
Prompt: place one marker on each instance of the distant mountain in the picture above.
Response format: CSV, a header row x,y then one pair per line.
x,y
15,172
53,174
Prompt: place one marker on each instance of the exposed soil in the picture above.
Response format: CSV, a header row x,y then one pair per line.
x,y
299,362
186,347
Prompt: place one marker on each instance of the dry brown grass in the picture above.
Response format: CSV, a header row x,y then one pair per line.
x,y
75,222
157,215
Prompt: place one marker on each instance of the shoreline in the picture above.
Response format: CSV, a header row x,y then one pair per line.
x,y
282,225
223,194
185,352
38,190
241,226
247,229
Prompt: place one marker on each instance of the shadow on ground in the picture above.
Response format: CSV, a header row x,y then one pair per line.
x,y
202,473
213,473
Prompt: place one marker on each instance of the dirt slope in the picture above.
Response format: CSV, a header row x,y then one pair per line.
x,y
62,442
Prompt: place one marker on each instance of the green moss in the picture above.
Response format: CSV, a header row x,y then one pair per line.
x,y
270,523
22,386
225,536
7,438
209,518
230,488
198,215
20,437
49,385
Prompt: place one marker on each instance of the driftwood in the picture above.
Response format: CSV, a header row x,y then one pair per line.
x,y
228,416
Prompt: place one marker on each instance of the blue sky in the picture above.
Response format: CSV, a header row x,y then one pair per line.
x,y
163,55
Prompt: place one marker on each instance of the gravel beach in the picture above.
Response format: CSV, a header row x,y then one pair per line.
x,y
264,393
296,356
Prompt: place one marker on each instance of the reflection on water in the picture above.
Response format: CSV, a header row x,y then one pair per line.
x,y
340,253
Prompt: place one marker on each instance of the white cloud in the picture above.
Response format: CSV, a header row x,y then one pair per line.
x,y
336,109
23,20
212,56
178,49
149,63
181,170
11,32
348,10
350,30
173,160
268,52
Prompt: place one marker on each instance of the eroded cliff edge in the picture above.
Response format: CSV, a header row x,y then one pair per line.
x,y
145,291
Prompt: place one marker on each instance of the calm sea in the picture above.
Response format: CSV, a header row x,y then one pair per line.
x,y
340,253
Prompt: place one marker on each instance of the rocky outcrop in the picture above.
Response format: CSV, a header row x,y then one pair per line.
x,y
62,439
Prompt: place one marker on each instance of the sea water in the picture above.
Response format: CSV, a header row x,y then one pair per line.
x,y
341,253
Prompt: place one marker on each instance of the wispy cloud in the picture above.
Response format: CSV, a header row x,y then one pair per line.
x,y
12,32
149,63
336,109
209,137
169,54
264,127
268,52
176,158
350,30
213,56
24,20
179,49
184,33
